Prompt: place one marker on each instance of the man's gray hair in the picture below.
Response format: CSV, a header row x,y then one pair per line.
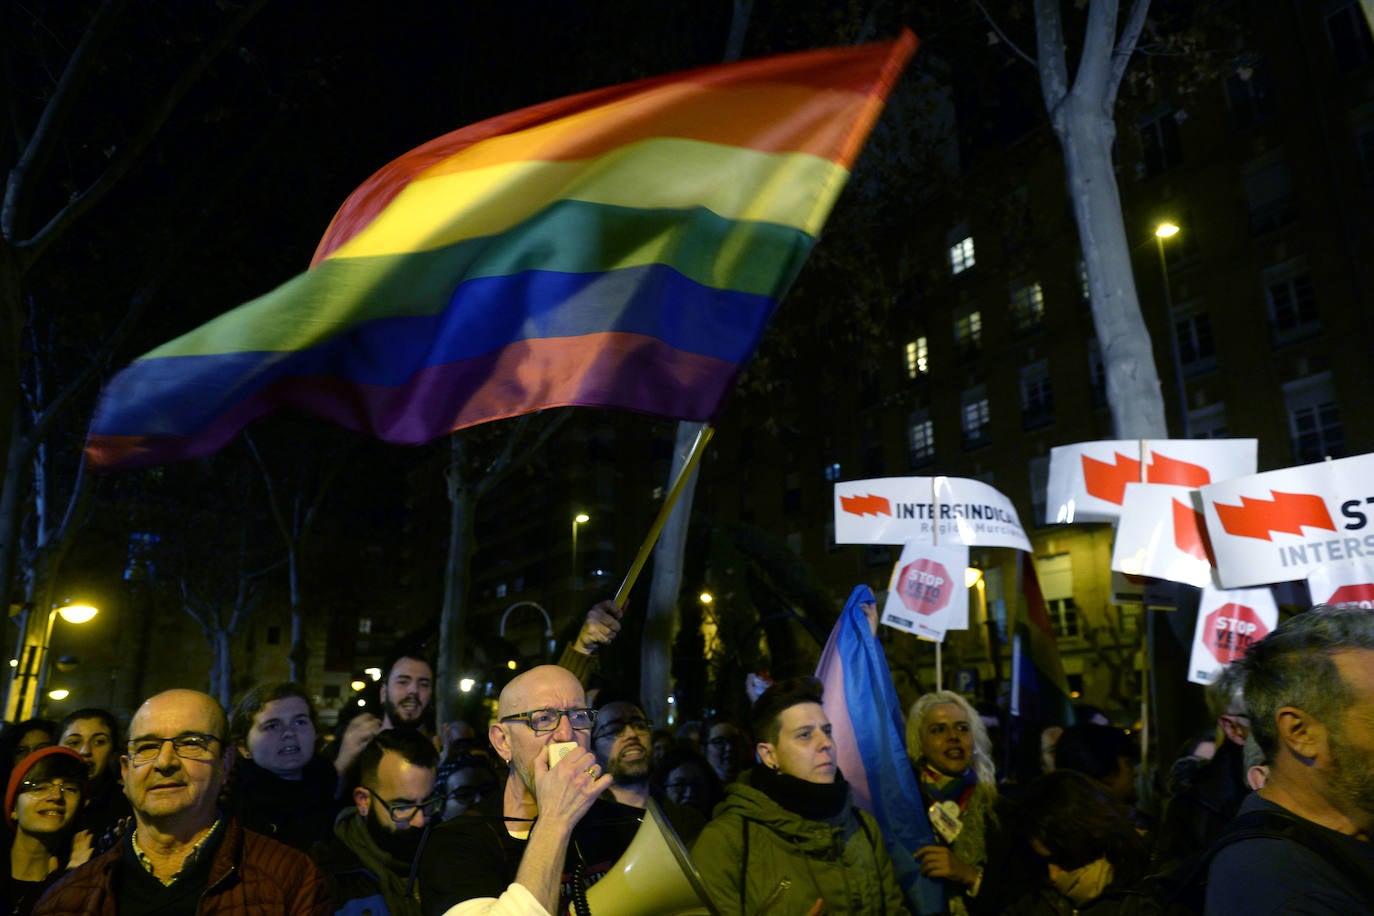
x,y
1292,666
1227,693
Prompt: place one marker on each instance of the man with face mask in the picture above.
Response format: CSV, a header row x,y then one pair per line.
x,y
370,861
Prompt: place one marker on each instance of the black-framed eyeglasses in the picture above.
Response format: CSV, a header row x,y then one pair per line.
x,y
613,727
543,721
191,746
404,812
466,795
68,788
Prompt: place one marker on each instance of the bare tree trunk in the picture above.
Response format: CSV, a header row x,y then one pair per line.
x,y
661,615
1083,118
660,618
1133,388
457,573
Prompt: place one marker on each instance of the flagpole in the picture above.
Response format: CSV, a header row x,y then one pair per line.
x,y
688,466
1146,678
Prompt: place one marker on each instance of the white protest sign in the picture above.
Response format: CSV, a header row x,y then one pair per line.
x,y
1161,535
1228,623
926,595
1343,583
1087,481
1281,525
943,510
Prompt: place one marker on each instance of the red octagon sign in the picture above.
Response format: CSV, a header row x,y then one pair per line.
x,y
1362,595
1230,629
924,587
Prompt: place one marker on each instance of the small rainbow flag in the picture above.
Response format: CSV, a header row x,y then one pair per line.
x,y
1039,689
620,248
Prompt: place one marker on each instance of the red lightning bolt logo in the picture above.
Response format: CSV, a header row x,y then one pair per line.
x,y
1190,534
1108,481
1288,513
1164,469
866,505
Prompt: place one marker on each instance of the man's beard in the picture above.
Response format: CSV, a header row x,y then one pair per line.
x,y
400,844
1352,775
398,720
630,772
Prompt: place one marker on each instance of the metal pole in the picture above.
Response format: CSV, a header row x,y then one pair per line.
x,y
1173,338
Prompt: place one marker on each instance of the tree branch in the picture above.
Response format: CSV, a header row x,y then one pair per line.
x,y
1049,48
37,152
1125,47
1099,40
1002,36
32,249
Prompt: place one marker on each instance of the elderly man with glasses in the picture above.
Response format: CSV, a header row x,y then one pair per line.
x,y
371,860
526,848
184,855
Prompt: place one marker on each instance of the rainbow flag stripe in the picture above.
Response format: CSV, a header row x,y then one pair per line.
x,y
620,248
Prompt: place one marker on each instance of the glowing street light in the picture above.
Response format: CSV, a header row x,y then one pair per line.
x,y
61,693
706,597
579,519
1167,230
33,670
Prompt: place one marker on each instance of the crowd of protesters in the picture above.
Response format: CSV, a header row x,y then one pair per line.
x,y
198,809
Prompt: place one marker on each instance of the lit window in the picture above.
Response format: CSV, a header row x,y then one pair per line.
x,y
365,625
917,358
921,438
1085,291
1063,618
968,332
1027,306
832,472
961,255
975,415
1314,419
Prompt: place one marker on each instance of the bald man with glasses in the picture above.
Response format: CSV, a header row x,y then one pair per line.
x,y
184,856
524,849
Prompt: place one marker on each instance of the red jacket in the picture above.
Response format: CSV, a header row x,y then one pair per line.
x,y
250,874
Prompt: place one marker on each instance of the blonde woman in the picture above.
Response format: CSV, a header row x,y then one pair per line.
x,y
952,755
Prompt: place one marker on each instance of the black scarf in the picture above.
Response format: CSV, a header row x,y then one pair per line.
x,y
815,801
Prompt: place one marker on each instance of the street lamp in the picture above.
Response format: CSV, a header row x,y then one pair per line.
x,y
1167,230
579,519
34,671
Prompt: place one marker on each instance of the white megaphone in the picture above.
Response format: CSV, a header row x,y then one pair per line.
x,y
655,876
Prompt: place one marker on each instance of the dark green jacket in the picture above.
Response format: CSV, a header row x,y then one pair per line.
x,y
756,857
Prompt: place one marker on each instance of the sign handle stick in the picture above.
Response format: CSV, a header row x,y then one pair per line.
x,y
935,540
688,466
1147,659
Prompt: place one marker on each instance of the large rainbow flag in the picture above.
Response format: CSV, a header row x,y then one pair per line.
x,y
620,248
870,747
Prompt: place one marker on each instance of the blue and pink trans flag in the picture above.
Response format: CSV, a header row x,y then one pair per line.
x,y
870,744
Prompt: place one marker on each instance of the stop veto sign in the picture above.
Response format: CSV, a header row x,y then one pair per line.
x,y
1362,595
1230,629
924,586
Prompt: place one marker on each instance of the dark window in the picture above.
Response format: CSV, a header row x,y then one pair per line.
x,y
1249,95
1196,349
1160,147
274,636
